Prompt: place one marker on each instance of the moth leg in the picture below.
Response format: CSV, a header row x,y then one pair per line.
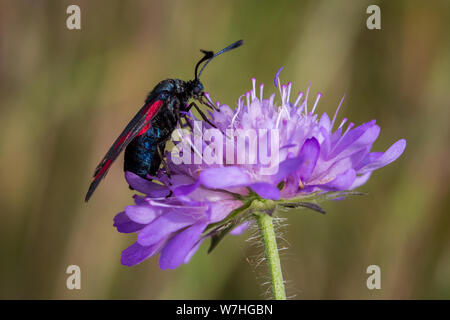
x,y
174,106
192,129
208,104
193,104
204,117
188,123
161,156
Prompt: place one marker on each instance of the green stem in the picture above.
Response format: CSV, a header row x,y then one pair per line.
x,y
271,251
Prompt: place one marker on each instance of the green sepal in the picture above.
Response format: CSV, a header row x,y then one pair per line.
x,y
219,235
308,205
323,196
220,229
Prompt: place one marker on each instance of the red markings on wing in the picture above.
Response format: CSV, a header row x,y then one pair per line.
x,y
144,129
103,169
149,112
122,140
141,122
152,109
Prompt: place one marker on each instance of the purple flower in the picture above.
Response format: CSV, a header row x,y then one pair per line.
x,y
309,159
170,225
311,155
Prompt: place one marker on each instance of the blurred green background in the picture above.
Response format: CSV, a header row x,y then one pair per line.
x,y
65,95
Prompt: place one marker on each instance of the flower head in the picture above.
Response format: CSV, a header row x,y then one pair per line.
x,y
216,177
172,225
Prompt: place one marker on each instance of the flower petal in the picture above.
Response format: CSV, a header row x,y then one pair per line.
x,y
341,182
369,157
349,138
325,172
149,188
125,225
226,177
193,250
309,153
389,156
325,122
163,226
266,190
287,167
360,180
240,228
142,214
220,209
136,253
185,189
365,141
178,248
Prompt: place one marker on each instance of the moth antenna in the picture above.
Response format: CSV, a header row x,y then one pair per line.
x,y
209,55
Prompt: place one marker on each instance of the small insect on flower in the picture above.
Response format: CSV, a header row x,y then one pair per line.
x,y
146,135
315,162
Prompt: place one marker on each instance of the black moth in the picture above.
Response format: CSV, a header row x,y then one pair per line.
x,y
145,136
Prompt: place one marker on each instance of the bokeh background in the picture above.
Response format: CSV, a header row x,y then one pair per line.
x,y
65,95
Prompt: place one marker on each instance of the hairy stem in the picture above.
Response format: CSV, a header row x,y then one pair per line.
x,y
265,225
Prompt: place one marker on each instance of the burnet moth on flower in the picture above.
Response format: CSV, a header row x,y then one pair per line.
x,y
144,138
